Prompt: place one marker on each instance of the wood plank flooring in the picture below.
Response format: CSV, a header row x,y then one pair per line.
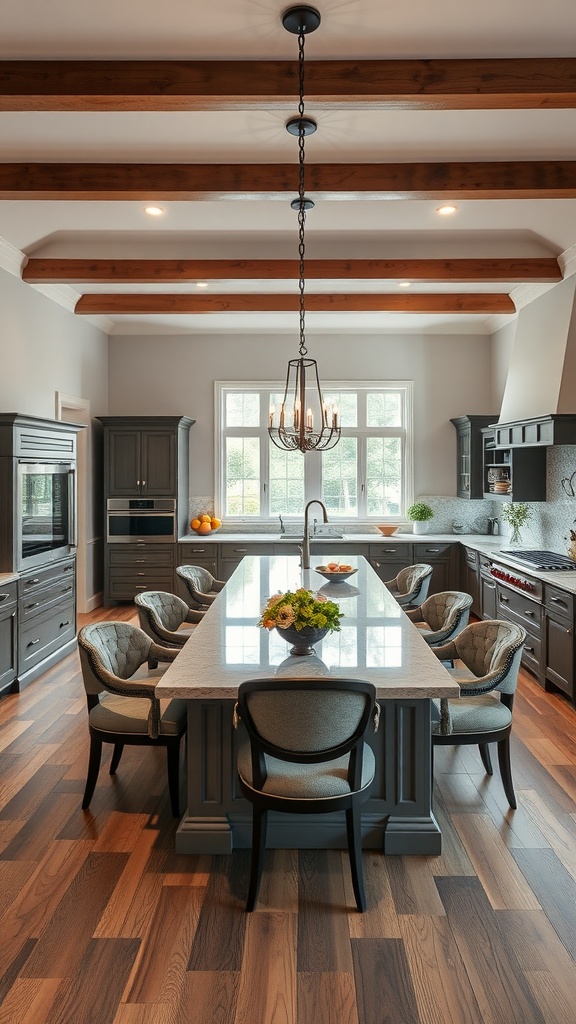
x,y
101,922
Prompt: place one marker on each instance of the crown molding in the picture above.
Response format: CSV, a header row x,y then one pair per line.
x,y
66,296
12,260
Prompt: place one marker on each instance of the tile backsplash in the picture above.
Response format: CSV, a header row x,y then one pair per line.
x,y
548,528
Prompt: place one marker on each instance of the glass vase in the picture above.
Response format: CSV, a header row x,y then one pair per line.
x,y
516,538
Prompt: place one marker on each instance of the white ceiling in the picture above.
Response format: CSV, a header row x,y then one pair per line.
x,y
246,29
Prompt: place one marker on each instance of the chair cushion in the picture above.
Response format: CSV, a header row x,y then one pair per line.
x,y
484,713
306,781
130,714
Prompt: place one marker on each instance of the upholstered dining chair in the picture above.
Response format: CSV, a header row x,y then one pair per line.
x,y
122,706
200,583
410,587
162,616
486,658
306,754
441,616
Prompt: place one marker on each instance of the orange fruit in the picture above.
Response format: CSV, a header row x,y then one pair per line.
x,y
195,524
205,518
204,528
215,523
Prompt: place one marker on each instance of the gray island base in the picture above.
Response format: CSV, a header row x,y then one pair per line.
x,y
377,642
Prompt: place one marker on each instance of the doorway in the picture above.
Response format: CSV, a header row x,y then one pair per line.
x,y
71,409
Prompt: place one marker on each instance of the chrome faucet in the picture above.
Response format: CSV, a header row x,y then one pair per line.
x,y
306,539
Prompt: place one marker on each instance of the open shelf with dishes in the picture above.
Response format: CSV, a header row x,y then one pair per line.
x,y
513,474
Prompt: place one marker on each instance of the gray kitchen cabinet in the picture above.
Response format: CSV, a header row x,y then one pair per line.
x,y
8,635
46,619
132,568
232,554
145,455
204,555
470,577
469,476
559,639
442,558
390,557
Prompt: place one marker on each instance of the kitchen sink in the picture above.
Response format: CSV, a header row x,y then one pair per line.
x,y
292,537
313,538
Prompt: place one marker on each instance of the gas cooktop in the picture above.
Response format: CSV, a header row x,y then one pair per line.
x,y
543,560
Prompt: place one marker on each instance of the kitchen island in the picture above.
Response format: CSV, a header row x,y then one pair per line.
x,y
377,642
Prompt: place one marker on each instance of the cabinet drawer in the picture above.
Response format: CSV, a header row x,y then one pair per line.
x,y
28,583
123,586
532,653
44,635
237,551
471,556
8,596
42,599
389,551
197,554
128,555
560,601
519,609
430,551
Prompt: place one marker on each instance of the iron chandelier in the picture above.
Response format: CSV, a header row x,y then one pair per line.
x,y
305,422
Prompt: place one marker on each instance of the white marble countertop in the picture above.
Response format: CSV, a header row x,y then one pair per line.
x,y
376,642
7,577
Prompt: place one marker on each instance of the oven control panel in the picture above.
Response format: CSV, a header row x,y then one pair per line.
x,y
512,578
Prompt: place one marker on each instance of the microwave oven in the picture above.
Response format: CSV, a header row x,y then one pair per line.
x,y
138,520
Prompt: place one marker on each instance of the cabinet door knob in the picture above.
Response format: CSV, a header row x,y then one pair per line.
x,y
432,551
504,599
528,612
4,597
529,650
34,642
67,623
558,600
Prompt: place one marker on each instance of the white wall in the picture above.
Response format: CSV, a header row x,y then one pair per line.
x,y
175,375
502,343
44,348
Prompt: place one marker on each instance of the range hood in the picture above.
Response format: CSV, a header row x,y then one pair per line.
x,y
539,402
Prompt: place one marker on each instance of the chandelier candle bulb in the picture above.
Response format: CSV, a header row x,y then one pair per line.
x,y
335,416
309,419
272,411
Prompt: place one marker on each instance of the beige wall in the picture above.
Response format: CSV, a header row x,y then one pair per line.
x,y
175,375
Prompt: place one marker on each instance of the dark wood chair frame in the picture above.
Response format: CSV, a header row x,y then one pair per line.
x,y
120,740
482,739
351,802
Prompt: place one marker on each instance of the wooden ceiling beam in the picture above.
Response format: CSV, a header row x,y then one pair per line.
x,y
413,303
133,271
499,83
540,179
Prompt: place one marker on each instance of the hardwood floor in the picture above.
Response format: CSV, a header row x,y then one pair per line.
x,y
101,922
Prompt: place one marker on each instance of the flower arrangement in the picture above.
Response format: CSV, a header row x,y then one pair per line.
x,y
420,512
300,608
517,514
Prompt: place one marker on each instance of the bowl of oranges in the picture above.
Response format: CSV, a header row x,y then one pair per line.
x,y
205,524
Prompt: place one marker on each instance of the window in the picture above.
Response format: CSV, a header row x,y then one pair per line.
x,y
368,475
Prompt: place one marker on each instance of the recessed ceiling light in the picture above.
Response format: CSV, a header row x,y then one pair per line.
x,y
153,211
446,210
404,284
201,284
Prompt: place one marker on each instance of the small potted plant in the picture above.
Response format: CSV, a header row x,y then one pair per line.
x,y
301,618
420,513
517,514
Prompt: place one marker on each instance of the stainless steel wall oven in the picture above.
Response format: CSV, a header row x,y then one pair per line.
x,y
45,522
132,520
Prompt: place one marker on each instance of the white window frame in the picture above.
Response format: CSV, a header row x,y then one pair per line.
x,y
313,464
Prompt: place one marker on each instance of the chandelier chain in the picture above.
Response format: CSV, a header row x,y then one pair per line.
x,y
301,197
